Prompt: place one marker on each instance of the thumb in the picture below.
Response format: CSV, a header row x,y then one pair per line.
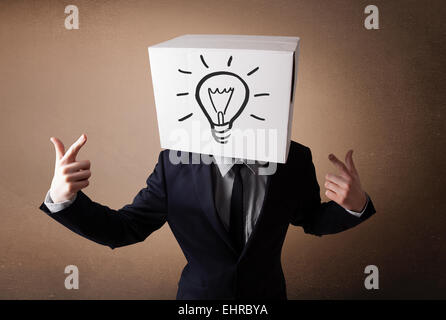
x,y
58,147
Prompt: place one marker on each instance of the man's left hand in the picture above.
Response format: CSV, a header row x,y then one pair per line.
x,y
345,188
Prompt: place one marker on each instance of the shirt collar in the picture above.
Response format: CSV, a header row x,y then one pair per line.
x,y
225,164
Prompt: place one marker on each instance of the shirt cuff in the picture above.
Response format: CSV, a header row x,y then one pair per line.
x,y
58,206
359,214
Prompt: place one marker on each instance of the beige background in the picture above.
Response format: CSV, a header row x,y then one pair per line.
x,y
378,92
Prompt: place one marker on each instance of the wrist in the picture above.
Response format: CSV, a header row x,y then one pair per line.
x,y
55,198
362,204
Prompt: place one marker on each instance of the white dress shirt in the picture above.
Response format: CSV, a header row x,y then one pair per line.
x,y
254,187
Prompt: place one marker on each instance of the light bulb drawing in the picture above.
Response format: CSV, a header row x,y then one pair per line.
x,y
222,106
222,97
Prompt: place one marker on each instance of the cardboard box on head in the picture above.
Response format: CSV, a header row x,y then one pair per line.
x,y
226,95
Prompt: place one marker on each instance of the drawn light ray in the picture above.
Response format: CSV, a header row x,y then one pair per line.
x,y
185,117
261,94
229,61
204,62
257,117
252,71
183,71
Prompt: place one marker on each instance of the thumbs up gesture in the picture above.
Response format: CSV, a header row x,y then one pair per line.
x,y
345,188
70,175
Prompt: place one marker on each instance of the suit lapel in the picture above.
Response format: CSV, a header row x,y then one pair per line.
x,y
202,179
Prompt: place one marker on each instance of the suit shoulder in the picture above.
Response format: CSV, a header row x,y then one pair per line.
x,y
164,159
178,159
299,150
299,157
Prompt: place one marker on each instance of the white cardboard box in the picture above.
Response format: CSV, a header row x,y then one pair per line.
x,y
226,95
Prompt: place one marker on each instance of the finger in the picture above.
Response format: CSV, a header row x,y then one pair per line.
x,y
58,147
76,186
331,195
337,180
78,176
72,152
349,161
76,166
338,163
332,187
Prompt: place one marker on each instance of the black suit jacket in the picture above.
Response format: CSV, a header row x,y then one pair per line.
x,y
182,195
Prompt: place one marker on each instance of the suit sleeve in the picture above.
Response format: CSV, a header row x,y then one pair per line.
x,y
322,218
115,228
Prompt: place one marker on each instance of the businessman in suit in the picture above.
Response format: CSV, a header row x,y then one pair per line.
x,y
229,221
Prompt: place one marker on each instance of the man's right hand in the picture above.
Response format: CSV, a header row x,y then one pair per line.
x,y
70,175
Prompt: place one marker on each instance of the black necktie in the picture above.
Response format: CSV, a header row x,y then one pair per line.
x,y
236,220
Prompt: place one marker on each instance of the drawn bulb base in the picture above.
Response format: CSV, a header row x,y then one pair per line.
x,y
221,133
